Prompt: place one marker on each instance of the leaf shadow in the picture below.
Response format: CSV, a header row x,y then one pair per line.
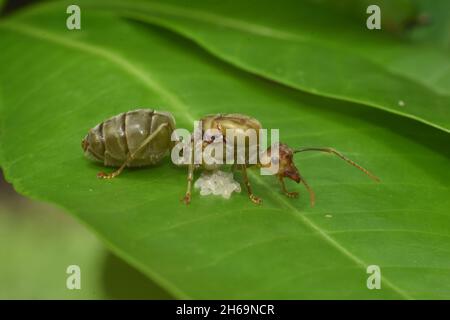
x,y
121,281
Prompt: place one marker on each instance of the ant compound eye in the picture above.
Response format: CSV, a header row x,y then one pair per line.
x,y
215,138
211,137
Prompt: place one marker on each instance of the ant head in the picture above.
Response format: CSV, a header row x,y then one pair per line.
x,y
211,136
286,166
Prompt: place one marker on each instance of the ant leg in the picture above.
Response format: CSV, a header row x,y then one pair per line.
x,y
131,156
285,191
103,175
187,197
252,197
312,196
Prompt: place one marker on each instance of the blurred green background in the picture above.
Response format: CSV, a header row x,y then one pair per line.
x,y
39,241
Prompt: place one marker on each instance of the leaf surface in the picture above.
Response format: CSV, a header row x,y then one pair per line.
x,y
40,239
319,48
56,84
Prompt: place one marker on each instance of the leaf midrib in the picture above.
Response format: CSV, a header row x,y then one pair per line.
x,y
130,68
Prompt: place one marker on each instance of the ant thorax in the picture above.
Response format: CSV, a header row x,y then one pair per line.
x,y
211,148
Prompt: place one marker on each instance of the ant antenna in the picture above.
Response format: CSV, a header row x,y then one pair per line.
x,y
331,150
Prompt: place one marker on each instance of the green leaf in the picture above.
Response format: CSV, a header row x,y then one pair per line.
x,y
437,29
56,84
318,48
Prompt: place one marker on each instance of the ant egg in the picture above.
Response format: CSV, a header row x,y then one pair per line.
x,y
218,183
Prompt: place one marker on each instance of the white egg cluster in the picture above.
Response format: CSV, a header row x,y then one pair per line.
x,y
217,183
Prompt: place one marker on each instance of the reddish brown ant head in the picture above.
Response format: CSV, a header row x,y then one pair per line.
x,y
286,166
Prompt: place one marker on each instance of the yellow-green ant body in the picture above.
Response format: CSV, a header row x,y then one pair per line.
x,y
143,137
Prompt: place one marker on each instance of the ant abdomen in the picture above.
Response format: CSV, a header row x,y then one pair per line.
x,y
143,133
